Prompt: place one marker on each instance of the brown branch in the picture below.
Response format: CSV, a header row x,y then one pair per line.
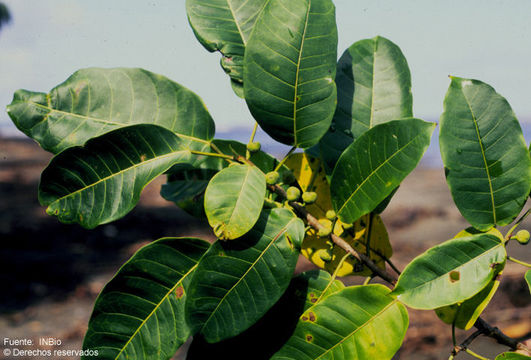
x,y
313,222
495,333
466,343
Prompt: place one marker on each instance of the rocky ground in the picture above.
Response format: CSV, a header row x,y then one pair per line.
x,y
51,273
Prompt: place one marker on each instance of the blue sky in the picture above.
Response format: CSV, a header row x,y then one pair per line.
x,y
48,40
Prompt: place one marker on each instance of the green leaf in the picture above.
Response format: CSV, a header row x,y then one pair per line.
x,y
528,279
140,312
238,281
512,356
102,181
465,314
225,26
451,272
289,70
234,199
375,164
186,185
95,101
266,337
359,322
488,168
373,87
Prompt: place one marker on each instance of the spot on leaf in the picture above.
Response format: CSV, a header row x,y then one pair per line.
x,y
309,338
311,316
143,157
179,292
454,276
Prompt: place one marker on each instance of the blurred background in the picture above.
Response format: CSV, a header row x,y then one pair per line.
x,y
51,273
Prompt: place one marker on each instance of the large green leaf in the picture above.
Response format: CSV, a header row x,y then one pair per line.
x,y
373,87
360,322
512,356
225,26
102,181
266,337
234,199
488,168
464,315
451,272
238,281
289,70
95,101
528,279
140,313
375,164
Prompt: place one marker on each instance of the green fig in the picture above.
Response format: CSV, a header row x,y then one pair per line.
x,y
522,237
309,197
293,193
330,215
254,146
272,177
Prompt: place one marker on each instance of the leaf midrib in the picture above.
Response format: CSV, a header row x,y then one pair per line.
x,y
155,309
239,198
296,86
476,126
107,122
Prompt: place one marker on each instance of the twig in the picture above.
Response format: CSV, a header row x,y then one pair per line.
x,y
466,343
313,222
486,329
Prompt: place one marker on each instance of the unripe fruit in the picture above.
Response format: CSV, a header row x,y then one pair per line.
x,y
325,255
272,177
293,193
254,146
330,215
309,197
522,237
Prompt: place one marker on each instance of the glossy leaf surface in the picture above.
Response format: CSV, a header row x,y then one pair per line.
x,y
289,70
375,164
238,281
488,168
451,272
225,26
303,292
95,101
373,87
234,199
102,181
140,312
360,322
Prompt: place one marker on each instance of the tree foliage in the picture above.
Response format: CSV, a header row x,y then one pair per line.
x,y
112,131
